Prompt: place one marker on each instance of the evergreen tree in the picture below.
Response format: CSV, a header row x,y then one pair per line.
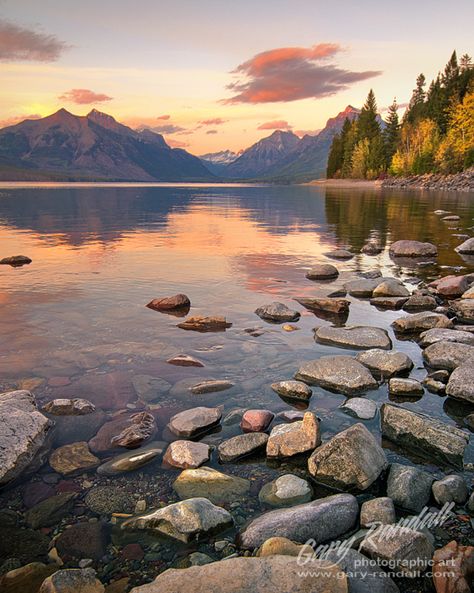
x,y
391,133
368,126
416,107
336,152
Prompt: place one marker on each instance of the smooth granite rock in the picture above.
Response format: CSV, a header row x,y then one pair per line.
x,y
448,355
277,312
209,483
241,446
445,335
295,438
407,248
409,487
461,384
385,364
342,374
354,337
292,390
287,490
186,454
194,421
419,322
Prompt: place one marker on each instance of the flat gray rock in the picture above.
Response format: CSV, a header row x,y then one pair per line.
x,y
322,519
461,384
391,288
184,521
385,364
412,249
194,421
357,337
401,386
432,336
419,322
342,374
241,446
419,433
277,312
352,459
409,487
363,288
359,407
23,434
448,355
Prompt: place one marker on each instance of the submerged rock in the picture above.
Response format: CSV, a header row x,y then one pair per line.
x,y
73,458
211,386
184,360
149,389
409,487
291,439
419,322
50,511
322,519
292,390
342,374
356,337
186,454
195,421
24,434
351,459
26,579
210,483
322,272
185,521
241,446
178,301
83,540
385,363
277,312
418,432
69,407
272,574
286,491
205,324
339,254
412,249
132,460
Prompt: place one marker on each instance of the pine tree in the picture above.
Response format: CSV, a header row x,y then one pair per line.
x,y
368,126
391,133
416,107
465,63
336,152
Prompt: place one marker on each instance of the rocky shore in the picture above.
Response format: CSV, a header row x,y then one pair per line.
x,y
463,182
204,499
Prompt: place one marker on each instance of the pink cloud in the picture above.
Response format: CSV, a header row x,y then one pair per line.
x,y
216,121
16,119
22,44
176,143
292,73
84,97
163,117
278,124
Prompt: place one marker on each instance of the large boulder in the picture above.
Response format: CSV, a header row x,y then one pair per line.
x,y
460,385
298,437
271,574
448,355
419,322
210,483
350,460
407,248
385,364
409,487
23,435
419,433
194,421
184,521
322,519
277,312
357,337
342,374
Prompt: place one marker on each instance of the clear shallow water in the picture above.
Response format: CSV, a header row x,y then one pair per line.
x,y
75,321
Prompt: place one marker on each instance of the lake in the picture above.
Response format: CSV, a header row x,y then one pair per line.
x,y
74,323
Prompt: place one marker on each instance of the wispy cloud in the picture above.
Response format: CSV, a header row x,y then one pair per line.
x,y
292,73
84,97
211,132
16,119
216,121
166,129
19,44
176,143
164,117
278,124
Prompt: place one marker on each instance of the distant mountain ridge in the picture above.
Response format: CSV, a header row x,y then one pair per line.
x,y
216,162
92,147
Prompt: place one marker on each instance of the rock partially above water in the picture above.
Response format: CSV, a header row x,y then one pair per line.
x,y
339,254
385,363
210,483
184,521
15,260
205,324
357,337
448,355
467,247
23,434
322,519
277,312
291,439
186,454
420,302
322,272
286,491
73,458
399,386
292,390
393,303
351,459
391,287
256,420
461,384
450,286
359,407
184,360
241,446
328,305
371,248
419,322
363,288
342,374
142,428
412,249
419,433
69,407
192,422
178,301
211,386
445,335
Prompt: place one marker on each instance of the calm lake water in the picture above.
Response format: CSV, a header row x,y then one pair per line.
x,y
74,322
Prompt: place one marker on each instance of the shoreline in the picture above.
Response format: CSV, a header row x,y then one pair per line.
x,y
346,183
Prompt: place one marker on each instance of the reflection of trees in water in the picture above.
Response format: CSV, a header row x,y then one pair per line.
x,y
357,216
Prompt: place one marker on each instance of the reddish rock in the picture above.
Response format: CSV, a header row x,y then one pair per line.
x,y
451,286
83,540
184,360
132,552
67,486
35,492
256,420
453,568
178,301
205,324
141,429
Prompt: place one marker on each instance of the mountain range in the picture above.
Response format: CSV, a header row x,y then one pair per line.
x,y
64,146
96,147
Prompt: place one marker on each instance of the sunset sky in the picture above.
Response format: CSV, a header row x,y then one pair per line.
x,y
216,74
